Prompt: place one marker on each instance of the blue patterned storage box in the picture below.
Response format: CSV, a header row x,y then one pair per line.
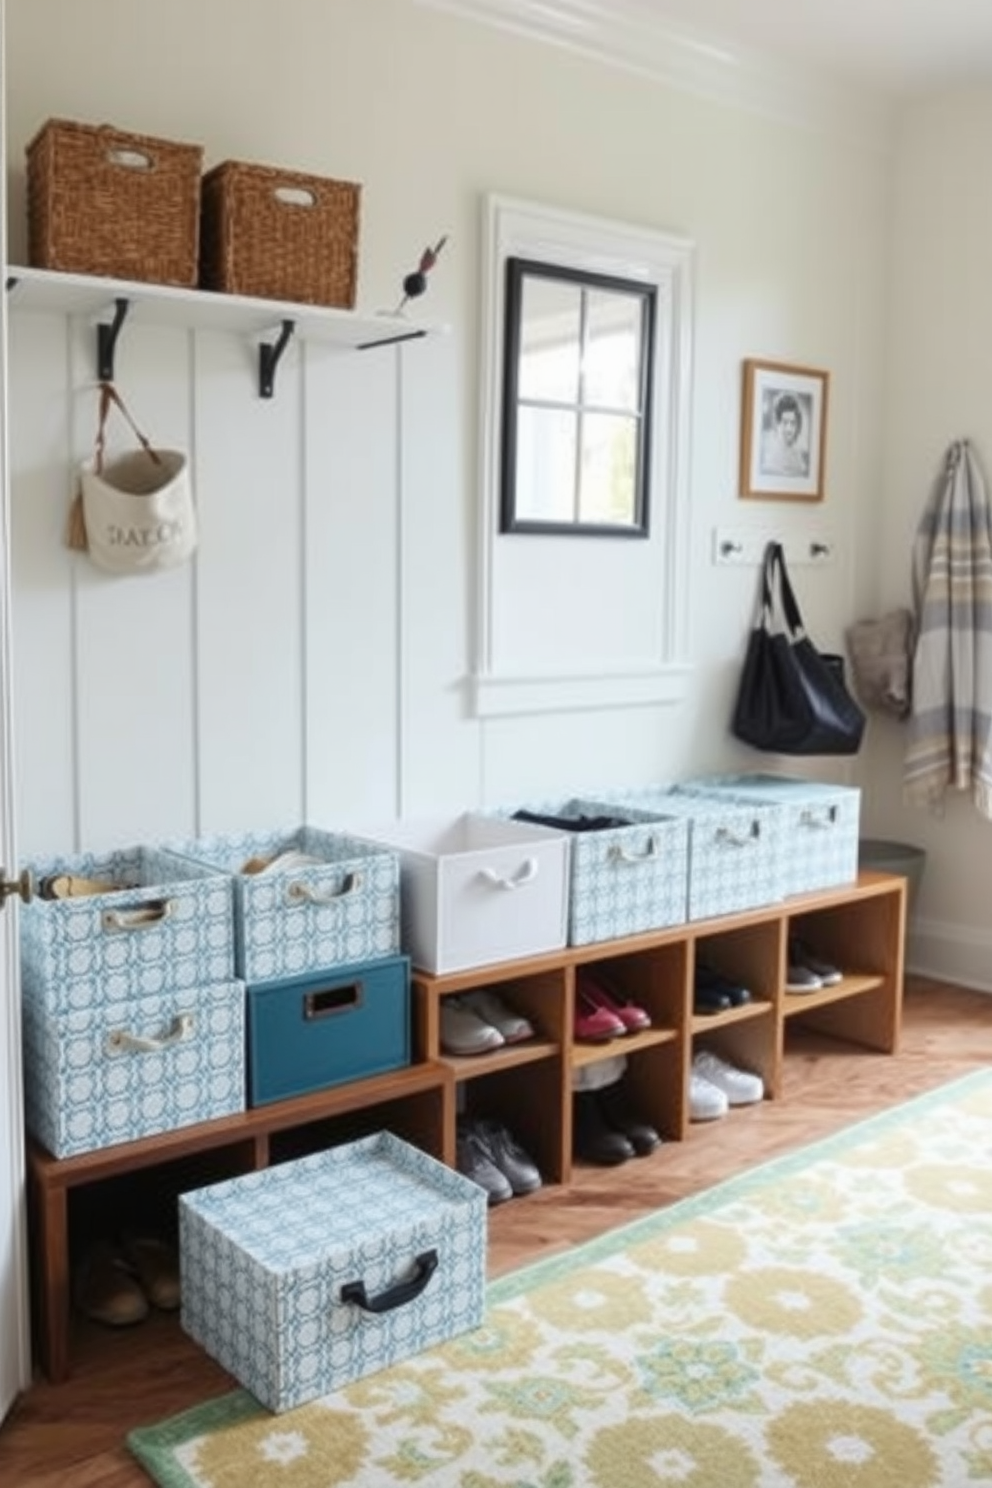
x,y
321,1029
623,880
317,1272
479,889
133,1067
305,916
822,824
169,927
736,849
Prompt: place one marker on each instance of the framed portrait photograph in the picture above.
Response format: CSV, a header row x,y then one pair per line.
x,y
783,431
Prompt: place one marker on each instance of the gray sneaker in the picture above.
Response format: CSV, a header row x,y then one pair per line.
x,y
474,1162
507,1155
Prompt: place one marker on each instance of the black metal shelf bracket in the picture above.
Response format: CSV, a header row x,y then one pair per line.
x,y
106,341
269,354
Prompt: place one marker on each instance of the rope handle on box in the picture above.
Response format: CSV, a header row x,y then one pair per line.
x,y
525,874
618,853
729,838
142,917
110,396
827,819
300,892
122,1042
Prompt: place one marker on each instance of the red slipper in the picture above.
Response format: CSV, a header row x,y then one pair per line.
x,y
602,995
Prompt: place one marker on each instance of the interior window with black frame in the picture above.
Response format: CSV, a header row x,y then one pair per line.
x,y
577,395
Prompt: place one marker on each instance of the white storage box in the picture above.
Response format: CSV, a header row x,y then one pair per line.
x,y
625,878
822,821
327,900
132,1068
479,889
736,849
313,1273
168,927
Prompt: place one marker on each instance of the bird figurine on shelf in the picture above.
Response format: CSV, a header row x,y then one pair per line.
x,y
415,284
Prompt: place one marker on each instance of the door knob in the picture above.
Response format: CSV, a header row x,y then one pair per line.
x,y
23,885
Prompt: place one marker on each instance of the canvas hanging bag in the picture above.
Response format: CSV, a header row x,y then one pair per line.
x,y
792,698
134,512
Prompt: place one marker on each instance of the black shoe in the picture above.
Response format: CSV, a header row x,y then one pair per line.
x,y
506,1154
593,1139
716,992
619,1114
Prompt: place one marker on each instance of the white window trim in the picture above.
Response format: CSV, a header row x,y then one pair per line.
x,y
517,228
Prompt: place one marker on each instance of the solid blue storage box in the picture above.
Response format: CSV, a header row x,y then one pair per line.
x,y
325,1029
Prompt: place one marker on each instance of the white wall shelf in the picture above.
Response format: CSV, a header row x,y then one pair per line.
x,y
264,321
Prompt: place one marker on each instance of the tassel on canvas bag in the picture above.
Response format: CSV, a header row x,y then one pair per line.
x,y
134,512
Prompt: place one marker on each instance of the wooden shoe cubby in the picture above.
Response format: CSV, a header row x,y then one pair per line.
x,y
860,927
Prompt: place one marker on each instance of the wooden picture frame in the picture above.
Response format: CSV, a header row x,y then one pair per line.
x,y
783,431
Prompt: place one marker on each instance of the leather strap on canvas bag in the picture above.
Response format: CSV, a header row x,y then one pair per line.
x,y
109,396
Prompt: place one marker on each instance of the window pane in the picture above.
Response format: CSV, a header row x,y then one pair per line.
x,y
549,340
546,446
611,366
608,491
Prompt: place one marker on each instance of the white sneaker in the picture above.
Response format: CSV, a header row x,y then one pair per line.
x,y
706,1101
740,1087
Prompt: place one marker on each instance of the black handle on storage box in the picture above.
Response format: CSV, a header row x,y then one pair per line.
x,y
397,1296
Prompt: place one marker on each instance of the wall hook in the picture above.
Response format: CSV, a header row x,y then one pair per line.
x,y
106,341
727,547
819,550
268,359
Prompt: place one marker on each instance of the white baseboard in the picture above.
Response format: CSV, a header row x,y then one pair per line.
x,y
951,953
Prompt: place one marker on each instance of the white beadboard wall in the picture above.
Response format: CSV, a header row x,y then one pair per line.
x,y
261,685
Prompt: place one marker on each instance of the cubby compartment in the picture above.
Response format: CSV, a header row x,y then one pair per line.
x,y
527,1100
863,936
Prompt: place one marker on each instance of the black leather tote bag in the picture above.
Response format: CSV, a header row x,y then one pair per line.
x,y
792,699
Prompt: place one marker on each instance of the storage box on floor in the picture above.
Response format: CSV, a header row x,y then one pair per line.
x,y
316,1272
478,889
820,841
736,849
628,871
305,900
133,1015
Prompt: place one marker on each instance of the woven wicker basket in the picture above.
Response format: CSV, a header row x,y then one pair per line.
x,y
122,205
279,235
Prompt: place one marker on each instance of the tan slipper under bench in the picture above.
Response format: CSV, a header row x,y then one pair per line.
x,y
155,1265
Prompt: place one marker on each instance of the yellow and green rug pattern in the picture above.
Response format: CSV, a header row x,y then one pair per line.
x,y
822,1322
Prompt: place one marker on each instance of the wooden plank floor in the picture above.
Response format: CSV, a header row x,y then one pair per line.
x,y
73,1433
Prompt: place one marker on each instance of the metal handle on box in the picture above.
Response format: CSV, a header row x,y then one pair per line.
x,y
395,1296
331,1000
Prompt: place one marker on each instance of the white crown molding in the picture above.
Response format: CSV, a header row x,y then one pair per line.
x,y
621,34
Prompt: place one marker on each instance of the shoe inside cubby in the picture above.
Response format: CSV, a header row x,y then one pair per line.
x,y
526,1100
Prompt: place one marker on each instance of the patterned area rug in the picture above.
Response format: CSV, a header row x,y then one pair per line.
x,y
822,1322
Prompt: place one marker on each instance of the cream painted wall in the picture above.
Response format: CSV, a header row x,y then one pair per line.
x,y
939,388
431,113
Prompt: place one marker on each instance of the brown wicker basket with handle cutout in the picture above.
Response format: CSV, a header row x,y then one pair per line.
x,y
101,201
279,235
